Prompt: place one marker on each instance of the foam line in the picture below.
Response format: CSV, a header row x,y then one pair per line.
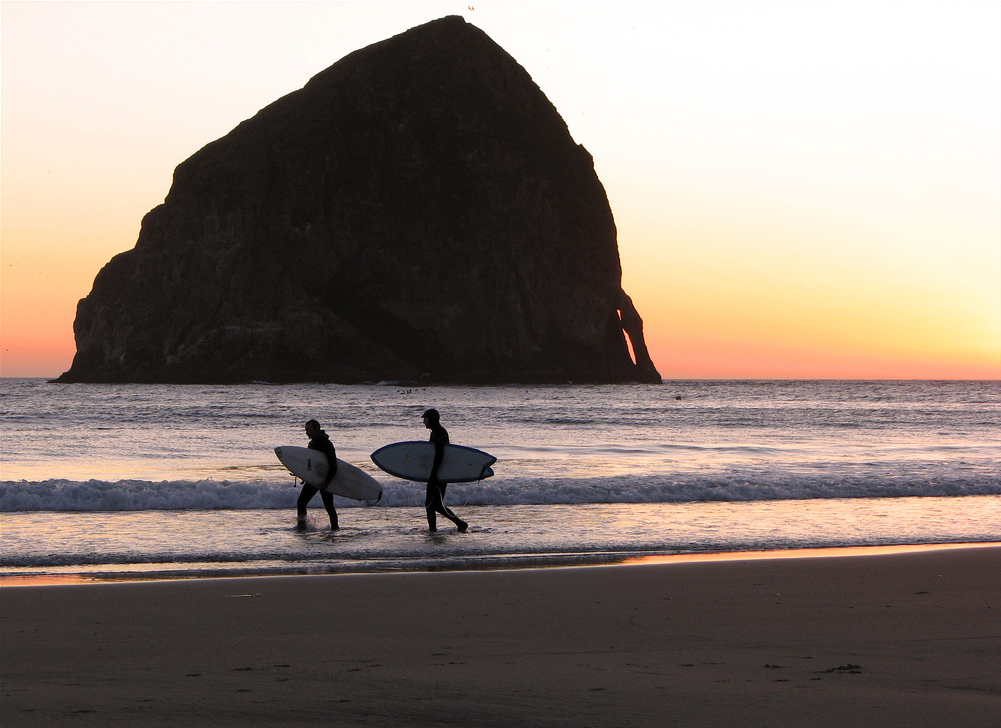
x,y
141,495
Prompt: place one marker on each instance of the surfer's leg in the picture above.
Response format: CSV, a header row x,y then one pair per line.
x,y
434,502
459,523
328,505
447,512
305,497
431,501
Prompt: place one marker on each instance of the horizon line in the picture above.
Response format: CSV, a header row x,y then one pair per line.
x,y
664,380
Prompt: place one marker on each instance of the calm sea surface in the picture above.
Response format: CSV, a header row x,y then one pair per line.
x,y
111,480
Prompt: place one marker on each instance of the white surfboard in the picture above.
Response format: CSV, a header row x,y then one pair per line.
x,y
413,461
311,467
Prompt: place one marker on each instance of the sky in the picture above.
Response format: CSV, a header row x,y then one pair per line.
x,y
801,189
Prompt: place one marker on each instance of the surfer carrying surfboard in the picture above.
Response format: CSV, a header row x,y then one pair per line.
x,y
319,440
434,502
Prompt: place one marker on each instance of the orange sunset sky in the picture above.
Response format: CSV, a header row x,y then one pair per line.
x,y
802,190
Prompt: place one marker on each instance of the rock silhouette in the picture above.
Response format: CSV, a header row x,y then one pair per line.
x,y
417,212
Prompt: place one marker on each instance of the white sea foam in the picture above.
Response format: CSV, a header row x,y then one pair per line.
x,y
139,495
230,542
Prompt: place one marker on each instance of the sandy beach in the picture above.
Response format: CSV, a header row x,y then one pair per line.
x,y
890,640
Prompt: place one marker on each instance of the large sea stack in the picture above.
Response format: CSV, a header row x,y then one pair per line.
x,y
417,212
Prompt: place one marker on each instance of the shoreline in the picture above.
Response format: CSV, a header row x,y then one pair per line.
x,y
908,638
83,579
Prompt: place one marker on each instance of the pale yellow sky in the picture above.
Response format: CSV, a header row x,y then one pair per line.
x,y
800,189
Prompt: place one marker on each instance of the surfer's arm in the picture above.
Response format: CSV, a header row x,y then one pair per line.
x,y
327,448
331,465
439,453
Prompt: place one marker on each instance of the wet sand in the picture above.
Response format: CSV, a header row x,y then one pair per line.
x,y
891,640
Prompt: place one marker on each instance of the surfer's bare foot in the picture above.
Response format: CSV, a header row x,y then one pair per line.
x,y
462,526
300,523
432,529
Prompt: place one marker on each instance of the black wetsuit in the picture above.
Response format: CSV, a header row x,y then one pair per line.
x,y
323,444
433,503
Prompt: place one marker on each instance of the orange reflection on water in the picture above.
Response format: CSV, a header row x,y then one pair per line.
x,y
44,580
804,553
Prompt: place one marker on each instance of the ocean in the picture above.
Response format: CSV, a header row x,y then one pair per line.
x,y
109,482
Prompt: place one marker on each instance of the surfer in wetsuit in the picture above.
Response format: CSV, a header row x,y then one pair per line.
x,y
318,440
434,502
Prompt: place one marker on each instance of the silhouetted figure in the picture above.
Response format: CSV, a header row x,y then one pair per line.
x,y
434,502
318,440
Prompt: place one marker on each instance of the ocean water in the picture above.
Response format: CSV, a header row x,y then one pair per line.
x,y
113,481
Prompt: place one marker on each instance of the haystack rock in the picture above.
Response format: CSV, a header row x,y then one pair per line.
x,y
418,212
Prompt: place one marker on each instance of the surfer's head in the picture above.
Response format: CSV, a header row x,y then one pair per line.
x,y
431,417
312,429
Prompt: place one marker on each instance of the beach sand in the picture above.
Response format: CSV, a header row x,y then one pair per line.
x,y
911,639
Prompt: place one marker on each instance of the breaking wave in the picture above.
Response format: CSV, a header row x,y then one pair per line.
x,y
142,495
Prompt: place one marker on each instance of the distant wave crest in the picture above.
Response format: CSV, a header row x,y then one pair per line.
x,y
141,495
